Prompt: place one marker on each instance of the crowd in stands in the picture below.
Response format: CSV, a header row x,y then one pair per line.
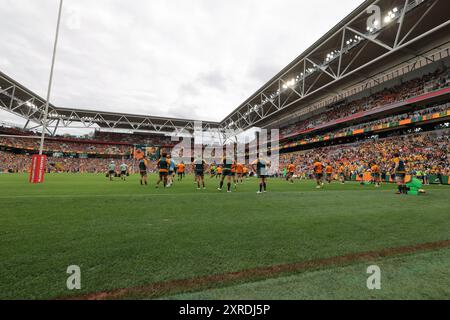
x,y
415,114
65,146
431,82
99,136
102,143
20,163
14,163
426,152
79,165
14,131
135,138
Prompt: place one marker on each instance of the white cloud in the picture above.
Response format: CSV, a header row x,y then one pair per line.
x,y
177,58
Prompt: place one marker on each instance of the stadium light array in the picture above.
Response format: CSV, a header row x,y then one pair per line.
x,y
392,14
31,105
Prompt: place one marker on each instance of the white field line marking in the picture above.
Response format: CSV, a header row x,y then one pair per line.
x,y
162,195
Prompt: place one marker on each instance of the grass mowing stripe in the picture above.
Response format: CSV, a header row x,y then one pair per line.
x,y
201,283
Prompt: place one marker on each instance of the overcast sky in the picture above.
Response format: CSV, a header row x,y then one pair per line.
x,y
177,58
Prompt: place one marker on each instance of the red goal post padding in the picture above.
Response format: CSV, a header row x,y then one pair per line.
x,y
38,165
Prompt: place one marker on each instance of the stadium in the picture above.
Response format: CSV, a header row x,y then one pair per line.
x,y
331,181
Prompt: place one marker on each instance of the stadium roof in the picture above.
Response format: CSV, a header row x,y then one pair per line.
x,y
19,100
377,34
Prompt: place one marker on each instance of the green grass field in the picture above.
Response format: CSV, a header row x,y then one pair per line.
x,y
123,235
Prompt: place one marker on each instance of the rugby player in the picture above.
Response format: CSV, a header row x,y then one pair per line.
x,y
234,173
260,167
212,170
400,173
290,171
219,172
180,170
240,172
376,176
123,171
226,173
171,173
199,166
361,169
143,170
341,173
318,173
111,170
163,166
329,173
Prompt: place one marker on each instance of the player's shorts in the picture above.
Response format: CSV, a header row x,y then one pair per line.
x,y
162,174
318,176
375,175
143,173
123,173
199,173
400,176
112,172
329,175
227,173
